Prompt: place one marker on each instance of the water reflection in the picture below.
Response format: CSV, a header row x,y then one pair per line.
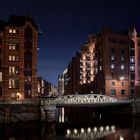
x,y
90,133
73,124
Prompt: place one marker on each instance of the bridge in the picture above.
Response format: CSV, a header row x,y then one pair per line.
x,y
82,100
48,105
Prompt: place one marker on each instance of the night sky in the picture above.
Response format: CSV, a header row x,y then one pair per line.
x,y
65,25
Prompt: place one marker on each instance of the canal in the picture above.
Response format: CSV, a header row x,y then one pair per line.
x,y
76,124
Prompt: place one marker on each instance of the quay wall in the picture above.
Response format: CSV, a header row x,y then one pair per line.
x,y
19,111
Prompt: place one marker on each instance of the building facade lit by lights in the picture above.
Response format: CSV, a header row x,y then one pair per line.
x,y
109,64
18,58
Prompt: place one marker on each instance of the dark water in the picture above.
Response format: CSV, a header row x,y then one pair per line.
x,y
75,125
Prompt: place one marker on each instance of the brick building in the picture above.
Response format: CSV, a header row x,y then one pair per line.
x,y
18,58
109,64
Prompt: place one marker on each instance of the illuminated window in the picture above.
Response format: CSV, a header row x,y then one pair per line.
x,y
132,60
122,67
0,76
27,79
112,57
13,70
122,58
13,83
13,46
112,66
12,31
13,58
100,68
132,68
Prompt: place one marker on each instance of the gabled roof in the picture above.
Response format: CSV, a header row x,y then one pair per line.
x,y
19,21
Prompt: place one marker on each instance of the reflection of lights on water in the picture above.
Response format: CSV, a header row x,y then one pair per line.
x,y
112,127
89,129
121,138
101,129
75,131
82,130
62,115
68,132
91,133
95,129
107,128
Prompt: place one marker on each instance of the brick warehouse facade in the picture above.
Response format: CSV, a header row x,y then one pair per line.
x,y
109,64
18,58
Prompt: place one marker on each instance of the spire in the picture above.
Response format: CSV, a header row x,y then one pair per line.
x,y
132,31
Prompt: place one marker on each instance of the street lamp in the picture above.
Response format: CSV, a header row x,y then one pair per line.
x,y
122,78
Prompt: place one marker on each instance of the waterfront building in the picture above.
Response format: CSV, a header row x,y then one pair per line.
x,y
45,88
109,64
18,58
62,81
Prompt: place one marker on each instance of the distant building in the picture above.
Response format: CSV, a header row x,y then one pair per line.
x,y
18,58
109,63
46,88
62,81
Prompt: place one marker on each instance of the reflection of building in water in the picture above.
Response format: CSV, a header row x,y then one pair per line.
x,y
61,116
90,133
48,131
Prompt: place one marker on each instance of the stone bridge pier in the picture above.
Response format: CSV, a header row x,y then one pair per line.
x,y
48,110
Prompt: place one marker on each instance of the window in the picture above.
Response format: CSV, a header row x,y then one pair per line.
x,y
13,46
13,95
112,66
113,83
28,79
112,57
132,84
122,58
13,83
132,68
112,50
0,76
100,68
0,91
12,31
122,67
122,51
112,75
113,92
132,52
132,76
13,58
132,60
13,70
123,84
132,92
122,92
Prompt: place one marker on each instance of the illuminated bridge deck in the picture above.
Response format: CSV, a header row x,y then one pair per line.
x,y
83,100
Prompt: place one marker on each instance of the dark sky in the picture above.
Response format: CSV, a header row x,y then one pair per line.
x,y
67,23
